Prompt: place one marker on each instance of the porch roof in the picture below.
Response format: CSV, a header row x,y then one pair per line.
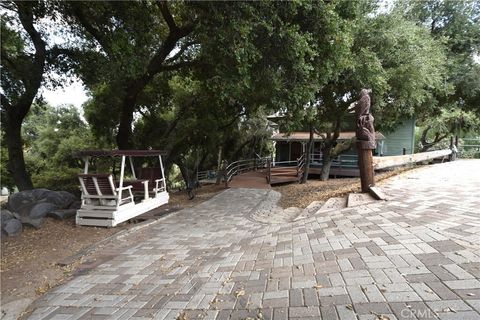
x,y
119,153
305,136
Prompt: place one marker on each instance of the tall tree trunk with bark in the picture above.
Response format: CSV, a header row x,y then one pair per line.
x,y
15,109
155,66
308,155
16,160
327,148
124,134
327,161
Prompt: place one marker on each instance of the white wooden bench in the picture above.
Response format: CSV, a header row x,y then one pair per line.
x,y
149,182
98,189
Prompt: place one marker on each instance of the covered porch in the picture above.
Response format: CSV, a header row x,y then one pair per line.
x,y
288,148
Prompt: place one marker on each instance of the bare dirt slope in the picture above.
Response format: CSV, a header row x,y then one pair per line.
x,y
301,195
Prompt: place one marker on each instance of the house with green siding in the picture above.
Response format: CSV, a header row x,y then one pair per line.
x,y
290,146
401,139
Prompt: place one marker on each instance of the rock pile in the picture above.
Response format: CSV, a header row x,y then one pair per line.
x,y
32,206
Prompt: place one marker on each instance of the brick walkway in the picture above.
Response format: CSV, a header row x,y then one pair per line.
x,y
416,256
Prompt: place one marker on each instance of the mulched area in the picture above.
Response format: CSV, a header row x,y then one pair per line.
x,y
28,262
301,195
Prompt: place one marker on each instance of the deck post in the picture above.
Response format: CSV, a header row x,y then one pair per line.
x,y
132,167
120,186
85,168
163,175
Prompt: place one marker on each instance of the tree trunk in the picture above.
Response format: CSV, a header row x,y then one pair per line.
x,y
237,152
124,134
219,165
155,66
327,163
186,175
251,153
16,161
427,145
15,112
308,156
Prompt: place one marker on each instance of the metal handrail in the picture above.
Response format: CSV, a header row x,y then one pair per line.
x,y
243,165
292,162
207,175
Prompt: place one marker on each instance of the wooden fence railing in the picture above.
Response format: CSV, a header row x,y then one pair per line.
x,y
393,161
300,164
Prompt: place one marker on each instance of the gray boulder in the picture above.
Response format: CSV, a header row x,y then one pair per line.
x,y
13,227
61,199
39,194
32,206
41,209
76,205
19,200
34,223
6,215
62,214
34,213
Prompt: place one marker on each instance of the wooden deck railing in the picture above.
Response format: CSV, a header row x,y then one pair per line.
x,y
300,165
242,166
342,161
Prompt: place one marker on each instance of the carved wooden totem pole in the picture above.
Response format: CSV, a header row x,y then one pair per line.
x,y
365,140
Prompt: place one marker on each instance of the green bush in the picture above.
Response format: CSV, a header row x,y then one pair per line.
x,y
64,178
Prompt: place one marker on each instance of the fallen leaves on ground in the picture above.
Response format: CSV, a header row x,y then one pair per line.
x,y
43,288
380,316
239,293
301,195
27,259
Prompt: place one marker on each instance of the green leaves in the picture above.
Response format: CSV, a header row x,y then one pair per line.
x,y
456,25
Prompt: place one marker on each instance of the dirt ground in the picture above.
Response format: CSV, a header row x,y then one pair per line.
x,y
301,195
30,262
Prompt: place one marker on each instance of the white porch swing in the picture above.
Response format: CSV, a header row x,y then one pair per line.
x,y
106,202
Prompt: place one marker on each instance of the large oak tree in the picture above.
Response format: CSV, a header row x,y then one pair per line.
x,y
24,56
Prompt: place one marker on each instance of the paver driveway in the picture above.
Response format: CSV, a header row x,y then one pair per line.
x,y
415,256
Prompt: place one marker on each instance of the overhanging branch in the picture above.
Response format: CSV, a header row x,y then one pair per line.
x,y
177,66
5,103
162,5
180,52
94,32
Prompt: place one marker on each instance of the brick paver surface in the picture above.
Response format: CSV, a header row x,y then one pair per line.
x,y
416,256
